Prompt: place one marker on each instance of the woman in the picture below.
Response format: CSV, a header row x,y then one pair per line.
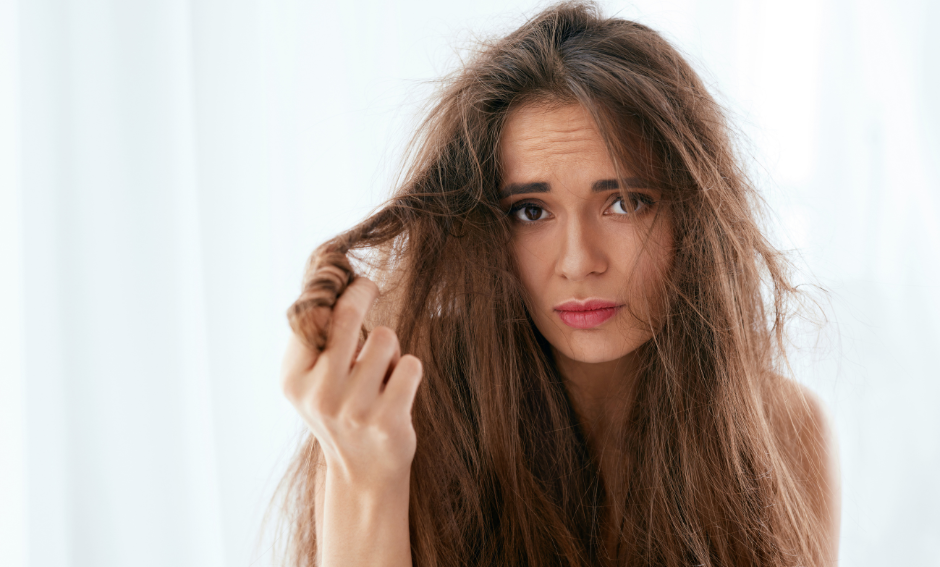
x,y
594,329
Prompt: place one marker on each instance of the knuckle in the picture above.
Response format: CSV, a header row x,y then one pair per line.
x,y
292,386
385,431
413,366
319,404
384,337
367,285
359,295
345,310
393,425
379,425
356,417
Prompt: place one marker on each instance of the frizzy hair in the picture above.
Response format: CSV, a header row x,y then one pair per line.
x,y
502,474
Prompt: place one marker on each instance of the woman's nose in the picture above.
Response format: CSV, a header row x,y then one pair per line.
x,y
581,251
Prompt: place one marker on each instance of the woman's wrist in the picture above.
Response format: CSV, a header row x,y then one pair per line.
x,y
366,523
369,493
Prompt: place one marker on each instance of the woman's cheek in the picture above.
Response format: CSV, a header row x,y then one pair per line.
x,y
658,260
534,268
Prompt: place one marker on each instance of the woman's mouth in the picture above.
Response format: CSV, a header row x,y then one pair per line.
x,y
586,314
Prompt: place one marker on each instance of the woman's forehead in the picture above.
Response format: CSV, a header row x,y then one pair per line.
x,y
539,125
536,138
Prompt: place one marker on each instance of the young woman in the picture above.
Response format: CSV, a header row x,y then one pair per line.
x,y
593,324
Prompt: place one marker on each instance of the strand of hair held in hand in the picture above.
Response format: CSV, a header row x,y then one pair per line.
x,y
327,275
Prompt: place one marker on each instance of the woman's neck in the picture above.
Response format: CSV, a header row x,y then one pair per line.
x,y
600,393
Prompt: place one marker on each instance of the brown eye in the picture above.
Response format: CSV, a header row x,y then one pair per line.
x,y
528,212
635,204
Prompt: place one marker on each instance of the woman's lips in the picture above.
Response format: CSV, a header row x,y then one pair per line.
x,y
586,314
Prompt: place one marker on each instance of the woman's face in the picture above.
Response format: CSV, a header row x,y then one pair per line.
x,y
591,261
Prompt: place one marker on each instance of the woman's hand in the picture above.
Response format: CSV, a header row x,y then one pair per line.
x,y
361,420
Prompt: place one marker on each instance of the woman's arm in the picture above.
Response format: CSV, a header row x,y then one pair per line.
x,y
375,526
358,525
362,422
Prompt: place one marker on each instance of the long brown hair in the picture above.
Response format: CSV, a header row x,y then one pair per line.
x,y
502,474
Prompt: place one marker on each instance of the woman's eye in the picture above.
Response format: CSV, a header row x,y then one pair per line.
x,y
633,205
528,212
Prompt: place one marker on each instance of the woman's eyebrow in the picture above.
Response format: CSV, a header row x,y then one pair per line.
x,y
542,187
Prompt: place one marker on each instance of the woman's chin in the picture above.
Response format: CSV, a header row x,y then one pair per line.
x,y
593,353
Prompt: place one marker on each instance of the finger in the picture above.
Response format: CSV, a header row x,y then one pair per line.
x,y
379,356
348,314
399,393
296,364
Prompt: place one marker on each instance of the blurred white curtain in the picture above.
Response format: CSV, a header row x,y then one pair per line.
x,y
166,166
121,456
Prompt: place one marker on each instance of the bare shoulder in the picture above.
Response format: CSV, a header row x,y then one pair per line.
x,y
800,418
803,429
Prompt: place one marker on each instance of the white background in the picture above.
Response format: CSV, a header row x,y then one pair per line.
x,y
166,166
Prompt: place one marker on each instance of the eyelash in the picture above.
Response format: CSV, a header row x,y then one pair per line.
x,y
644,203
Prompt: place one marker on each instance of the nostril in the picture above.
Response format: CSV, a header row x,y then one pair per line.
x,y
580,256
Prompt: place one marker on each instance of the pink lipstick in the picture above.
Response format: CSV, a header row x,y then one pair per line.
x,y
586,314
